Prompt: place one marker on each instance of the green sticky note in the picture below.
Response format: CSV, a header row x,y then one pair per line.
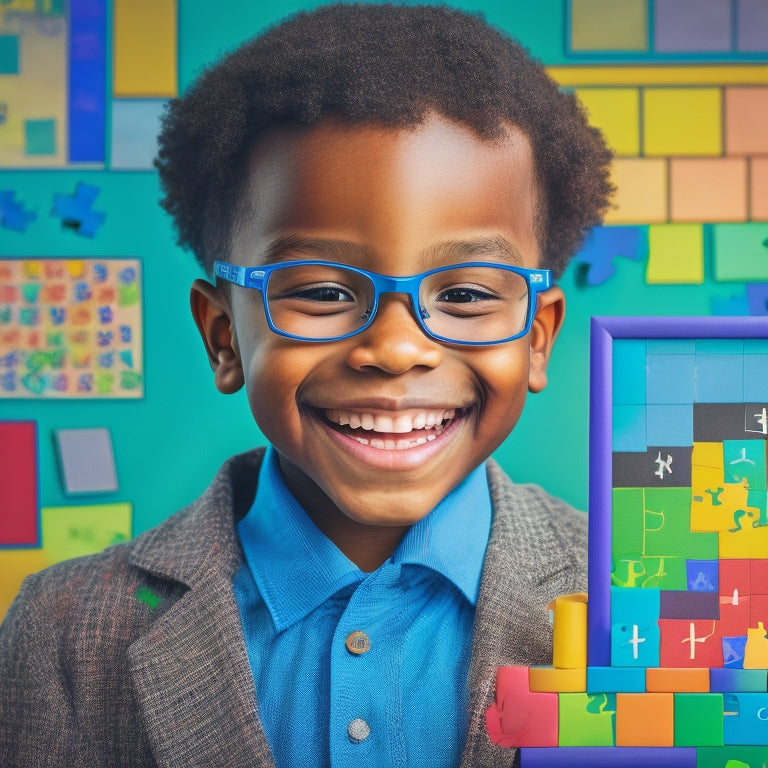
x,y
40,137
9,54
740,252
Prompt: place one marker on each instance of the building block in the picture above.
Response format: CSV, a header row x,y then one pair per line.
x,y
603,246
677,679
758,189
698,719
616,112
682,121
628,374
756,654
731,756
746,718
601,25
675,254
691,181
680,604
645,719
586,719
692,26
634,627
12,213
554,680
689,644
722,680
615,679
746,115
740,253
641,195
76,211
618,757
569,631
519,718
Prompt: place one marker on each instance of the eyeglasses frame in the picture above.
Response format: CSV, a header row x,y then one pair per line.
x,y
256,278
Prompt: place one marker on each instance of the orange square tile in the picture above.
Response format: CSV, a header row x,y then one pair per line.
x,y
746,118
758,188
641,191
708,189
645,719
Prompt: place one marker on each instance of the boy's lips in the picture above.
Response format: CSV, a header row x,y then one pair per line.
x,y
398,431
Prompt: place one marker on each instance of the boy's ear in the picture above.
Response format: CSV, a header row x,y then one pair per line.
x,y
550,313
212,314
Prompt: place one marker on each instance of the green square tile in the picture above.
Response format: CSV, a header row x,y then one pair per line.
x,y
698,719
586,719
40,137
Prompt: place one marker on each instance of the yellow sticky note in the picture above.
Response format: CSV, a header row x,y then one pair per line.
x,y
682,121
675,254
641,191
145,48
616,112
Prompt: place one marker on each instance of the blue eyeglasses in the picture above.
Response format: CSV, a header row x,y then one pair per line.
x,y
477,303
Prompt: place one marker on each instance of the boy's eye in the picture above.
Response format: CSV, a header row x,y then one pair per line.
x,y
322,293
463,295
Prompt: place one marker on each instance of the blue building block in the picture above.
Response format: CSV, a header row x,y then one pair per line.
x,y
608,757
746,718
76,211
635,634
615,679
723,680
603,245
12,213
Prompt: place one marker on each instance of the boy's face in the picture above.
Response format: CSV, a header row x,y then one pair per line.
x,y
397,202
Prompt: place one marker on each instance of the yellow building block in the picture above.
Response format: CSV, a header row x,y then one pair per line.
x,y
554,680
569,641
682,121
675,254
641,191
616,112
145,46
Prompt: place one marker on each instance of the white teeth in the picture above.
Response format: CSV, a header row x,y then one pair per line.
x,y
400,424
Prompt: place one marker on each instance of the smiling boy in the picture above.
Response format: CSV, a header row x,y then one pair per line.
x,y
385,195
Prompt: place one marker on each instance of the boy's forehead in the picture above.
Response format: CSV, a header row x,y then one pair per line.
x,y
437,180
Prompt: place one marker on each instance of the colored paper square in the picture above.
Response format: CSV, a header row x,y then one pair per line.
x,y
719,379
19,519
627,520
702,575
758,574
74,531
145,45
669,425
659,466
644,719
670,378
752,26
641,191
40,137
746,116
698,719
15,565
629,428
758,189
604,25
667,526
683,604
690,643
585,719
744,722
628,372
616,112
756,378
743,539
758,610
675,254
682,121
692,188
735,577
744,462
135,126
692,26
87,460
739,252
9,54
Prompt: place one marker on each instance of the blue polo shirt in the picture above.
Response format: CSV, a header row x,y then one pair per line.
x,y
361,669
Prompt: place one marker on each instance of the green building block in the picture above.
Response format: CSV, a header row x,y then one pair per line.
x,y
698,719
586,719
731,757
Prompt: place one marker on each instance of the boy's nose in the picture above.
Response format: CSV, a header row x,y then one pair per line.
x,y
394,342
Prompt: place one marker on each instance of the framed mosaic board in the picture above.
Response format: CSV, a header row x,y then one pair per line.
x,y
665,662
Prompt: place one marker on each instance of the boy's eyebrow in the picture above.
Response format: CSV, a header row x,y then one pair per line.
x,y
288,246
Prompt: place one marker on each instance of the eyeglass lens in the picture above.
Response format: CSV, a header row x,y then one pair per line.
x,y
468,303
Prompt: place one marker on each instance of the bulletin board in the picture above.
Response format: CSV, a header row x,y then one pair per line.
x,y
684,106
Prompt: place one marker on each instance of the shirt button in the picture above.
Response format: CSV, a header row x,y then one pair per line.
x,y
357,642
358,730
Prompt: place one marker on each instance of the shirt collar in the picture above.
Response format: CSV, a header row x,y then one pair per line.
x,y
296,567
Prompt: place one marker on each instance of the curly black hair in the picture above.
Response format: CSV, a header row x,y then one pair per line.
x,y
388,65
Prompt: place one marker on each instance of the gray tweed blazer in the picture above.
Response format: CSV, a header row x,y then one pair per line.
x,y
135,656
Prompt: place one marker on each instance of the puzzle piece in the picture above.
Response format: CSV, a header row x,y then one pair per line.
x,y
76,211
12,213
604,244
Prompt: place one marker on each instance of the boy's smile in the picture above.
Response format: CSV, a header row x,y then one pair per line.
x,y
374,430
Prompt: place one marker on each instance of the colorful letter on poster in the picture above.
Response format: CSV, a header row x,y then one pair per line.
x,y
70,328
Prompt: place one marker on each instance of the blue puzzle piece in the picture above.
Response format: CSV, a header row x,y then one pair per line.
x,y
76,211
12,214
603,245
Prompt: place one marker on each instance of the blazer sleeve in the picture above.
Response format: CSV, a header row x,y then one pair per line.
x,y
37,715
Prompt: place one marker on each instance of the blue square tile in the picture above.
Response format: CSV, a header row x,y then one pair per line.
x,y
669,425
756,378
670,378
628,367
719,378
629,428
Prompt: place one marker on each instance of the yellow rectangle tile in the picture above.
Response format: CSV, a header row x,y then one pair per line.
x,y
682,121
675,254
708,189
145,35
641,191
616,112
729,74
